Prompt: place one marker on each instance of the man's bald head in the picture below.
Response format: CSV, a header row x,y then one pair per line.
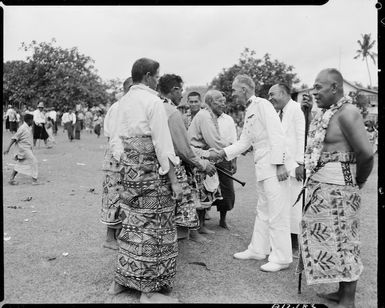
x,y
332,76
328,87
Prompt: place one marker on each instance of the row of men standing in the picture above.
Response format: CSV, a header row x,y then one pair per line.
x,y
139,120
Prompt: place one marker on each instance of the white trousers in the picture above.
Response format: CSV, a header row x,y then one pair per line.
x,y
296,211
272,222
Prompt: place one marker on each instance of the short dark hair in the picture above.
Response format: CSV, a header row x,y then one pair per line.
x,y
28,116
143,66
194,93
168,81
284,87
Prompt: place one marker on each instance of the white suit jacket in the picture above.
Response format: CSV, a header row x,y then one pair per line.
x,y
293,123
263,130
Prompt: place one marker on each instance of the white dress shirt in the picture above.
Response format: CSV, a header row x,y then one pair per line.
x,y
227,128
141,113
52,115
38,117
263,130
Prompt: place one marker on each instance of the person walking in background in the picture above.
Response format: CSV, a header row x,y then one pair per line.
x,y
81,118
26,162
12,119
53,115
39,131
77,126
50,126
88,119
97,122
69,120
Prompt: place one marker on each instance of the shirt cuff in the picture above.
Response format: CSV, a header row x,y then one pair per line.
x,y
277,157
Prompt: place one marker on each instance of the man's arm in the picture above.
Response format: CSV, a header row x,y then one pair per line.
x,y
181,142
245,139
299,123
276,138
353,128
9,146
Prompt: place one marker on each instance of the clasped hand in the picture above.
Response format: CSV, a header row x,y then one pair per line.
x,y
216,155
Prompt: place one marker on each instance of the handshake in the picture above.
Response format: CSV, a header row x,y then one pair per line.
x,y
216,155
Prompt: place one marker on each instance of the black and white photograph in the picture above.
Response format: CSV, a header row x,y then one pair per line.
x,y
191,154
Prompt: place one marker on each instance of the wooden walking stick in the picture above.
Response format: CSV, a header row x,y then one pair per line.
x,y
306,111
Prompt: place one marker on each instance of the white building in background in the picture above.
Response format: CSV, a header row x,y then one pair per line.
x,y
349,87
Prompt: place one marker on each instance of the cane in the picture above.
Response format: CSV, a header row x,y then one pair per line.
x,y
228,174
306,111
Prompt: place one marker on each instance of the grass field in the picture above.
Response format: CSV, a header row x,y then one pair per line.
x,y
56,255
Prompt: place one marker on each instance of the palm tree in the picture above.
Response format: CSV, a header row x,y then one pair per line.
x,y
364,51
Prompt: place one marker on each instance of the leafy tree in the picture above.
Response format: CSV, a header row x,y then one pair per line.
x,y
54,75
365,46
265,72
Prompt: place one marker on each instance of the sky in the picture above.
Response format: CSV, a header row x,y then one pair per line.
x,y
197,42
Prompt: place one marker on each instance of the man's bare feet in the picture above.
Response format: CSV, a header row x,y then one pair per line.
x,y
111,245
334,297
196,237
156,297
116,288
13,182
223,224
204,230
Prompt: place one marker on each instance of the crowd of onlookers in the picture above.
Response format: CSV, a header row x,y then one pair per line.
x,y
72,119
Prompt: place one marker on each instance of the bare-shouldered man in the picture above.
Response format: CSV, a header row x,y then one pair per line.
x,y
338,160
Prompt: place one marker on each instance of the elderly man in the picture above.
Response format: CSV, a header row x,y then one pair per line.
x,y
112,186
293,122
228,132
263,130
148,245
186,219
338,160
39,131
204,134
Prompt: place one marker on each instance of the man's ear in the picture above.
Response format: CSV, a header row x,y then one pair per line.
x,y
334,87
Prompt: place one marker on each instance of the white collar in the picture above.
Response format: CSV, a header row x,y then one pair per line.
x,y
143,87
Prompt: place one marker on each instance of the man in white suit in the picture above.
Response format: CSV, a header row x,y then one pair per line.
x,y
293,123
262,129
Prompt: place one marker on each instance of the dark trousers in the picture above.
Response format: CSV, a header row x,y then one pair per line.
x,y
227,188
70,130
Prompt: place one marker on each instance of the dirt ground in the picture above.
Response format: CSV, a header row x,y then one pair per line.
x,y
53,253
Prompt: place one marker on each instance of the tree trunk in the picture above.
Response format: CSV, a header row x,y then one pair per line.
x,y
367,66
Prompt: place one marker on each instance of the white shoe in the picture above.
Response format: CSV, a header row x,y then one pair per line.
x,y
247,254
273,267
